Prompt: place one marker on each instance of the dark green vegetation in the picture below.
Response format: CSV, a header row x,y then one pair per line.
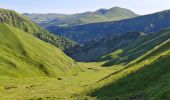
x,y
83,33
93,50
22,55
118,49
14,19
63,20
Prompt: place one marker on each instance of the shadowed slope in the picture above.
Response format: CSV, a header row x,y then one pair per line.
x,y
83,33
136,48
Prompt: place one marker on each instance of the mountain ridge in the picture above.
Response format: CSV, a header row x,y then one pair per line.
x,y
146,23
115,13
12,18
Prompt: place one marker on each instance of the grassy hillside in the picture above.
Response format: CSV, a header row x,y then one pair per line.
x,y
14,19
33,69
28,72
23,55
145,76
144,80
64,20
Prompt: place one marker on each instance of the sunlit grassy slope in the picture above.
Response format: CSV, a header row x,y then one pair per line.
x,y
145,78
23,55
149,83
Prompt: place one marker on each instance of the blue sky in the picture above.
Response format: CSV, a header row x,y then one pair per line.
x,y
77,6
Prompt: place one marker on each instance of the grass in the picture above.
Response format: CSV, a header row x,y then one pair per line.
x,y
51,88
31,69
24,55
151,82
146,79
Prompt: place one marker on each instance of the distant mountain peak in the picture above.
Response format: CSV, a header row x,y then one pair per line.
x,y
111,10
115,11
101,11
116,7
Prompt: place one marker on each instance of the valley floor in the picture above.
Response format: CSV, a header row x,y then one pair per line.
x,y
66,87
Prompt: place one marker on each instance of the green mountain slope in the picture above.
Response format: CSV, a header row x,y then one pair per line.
x,y
101,15
22,55
148,78
14,19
